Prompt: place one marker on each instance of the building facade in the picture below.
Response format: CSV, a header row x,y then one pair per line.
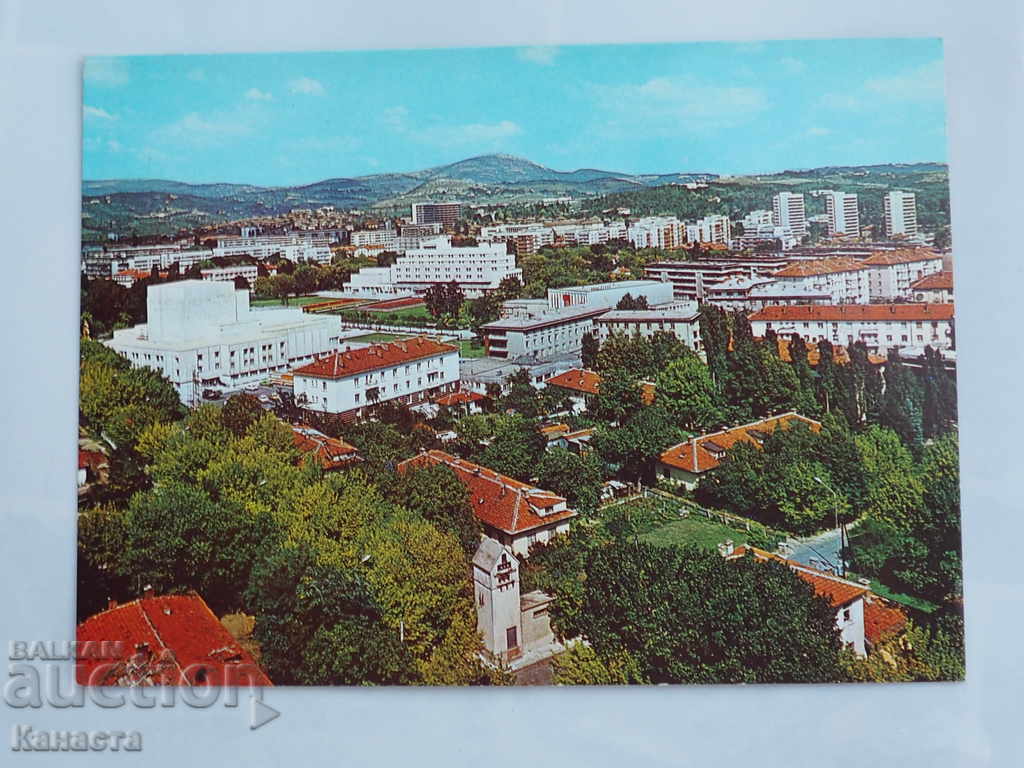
x,y
682,321
353,381
691,279
880,326
892,273
203,334
900,211
445,214
788,211
845,280
843,214
666,232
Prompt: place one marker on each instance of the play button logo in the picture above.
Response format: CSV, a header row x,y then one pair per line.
x,y
261,714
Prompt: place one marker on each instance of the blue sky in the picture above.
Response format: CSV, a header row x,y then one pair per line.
x,y
283,119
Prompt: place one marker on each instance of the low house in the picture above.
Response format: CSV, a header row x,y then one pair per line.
x,y
516,629
862,618
687,462
168,640
583,385
329,452
514,513
462,401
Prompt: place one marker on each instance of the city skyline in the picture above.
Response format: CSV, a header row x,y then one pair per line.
x,y
679,108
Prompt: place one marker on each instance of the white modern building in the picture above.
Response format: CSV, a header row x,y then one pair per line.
x,y
228,274
347,382
445,214
476,268
880,326
299,247
845,280
608,295
900,211
543,334
681,320
843,214
936,287
385,239
203,334
710,229
666,232
788,211
892,273
691,279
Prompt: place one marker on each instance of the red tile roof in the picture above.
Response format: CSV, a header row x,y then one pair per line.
x,y
339,365
329,452
820,267
838,591
498,501
881,621
461,397
92,459
578,379
934,282
709,457
862,312
170,640
900,256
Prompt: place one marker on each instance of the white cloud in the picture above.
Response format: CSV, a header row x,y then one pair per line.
x,y
925,83
95,113
306,85
817,130
105,71
667,105
475,135
255,94
544,55
207,130
792,66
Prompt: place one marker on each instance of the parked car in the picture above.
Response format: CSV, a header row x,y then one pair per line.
x,y
211,394
251,387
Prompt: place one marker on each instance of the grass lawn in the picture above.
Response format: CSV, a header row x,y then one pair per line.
x,y
657,522
375,338
292,302
694,531
470,348
398,317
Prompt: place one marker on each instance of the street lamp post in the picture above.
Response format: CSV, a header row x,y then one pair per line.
x,y
835,509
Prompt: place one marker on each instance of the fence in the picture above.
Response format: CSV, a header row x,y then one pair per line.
x,y
725,518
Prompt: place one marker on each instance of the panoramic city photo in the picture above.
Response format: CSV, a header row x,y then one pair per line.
x,y
582,365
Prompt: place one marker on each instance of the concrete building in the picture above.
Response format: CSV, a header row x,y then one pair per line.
x,y
880,326
936,288
351,381
476,268
513,626
710,229
900,211
691,279
608,295
682,320
445,214
734,293
665,232
297,247
845,280
788,211
756,234
687,462
843,214
203,335
228,274
542,335
892,273
516,514
385,239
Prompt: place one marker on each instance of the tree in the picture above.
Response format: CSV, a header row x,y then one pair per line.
x,y
576,477
580,665
264,287
444,299
902,405
484,310
628,302
688,615
284,286
515,448
509,288
240,412
619,396
590,349
633,448
436,494
307,278
686,391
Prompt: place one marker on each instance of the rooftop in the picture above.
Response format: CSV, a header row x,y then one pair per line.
x,y
838,591
936,281
169,640
821,267
900,256
863,312
329,452
578,379
711,448
499,501
340,365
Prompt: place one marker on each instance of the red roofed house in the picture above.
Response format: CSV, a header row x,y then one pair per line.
x,y
936,288
582,385
893,272
687,462
863,618
463,401
410,372
169,640
844,279
880,326
329,452
514,513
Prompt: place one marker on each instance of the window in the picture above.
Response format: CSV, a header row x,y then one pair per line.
x,y
846,614
511,638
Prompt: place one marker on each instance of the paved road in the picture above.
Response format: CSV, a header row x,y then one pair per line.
x,y
821,551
